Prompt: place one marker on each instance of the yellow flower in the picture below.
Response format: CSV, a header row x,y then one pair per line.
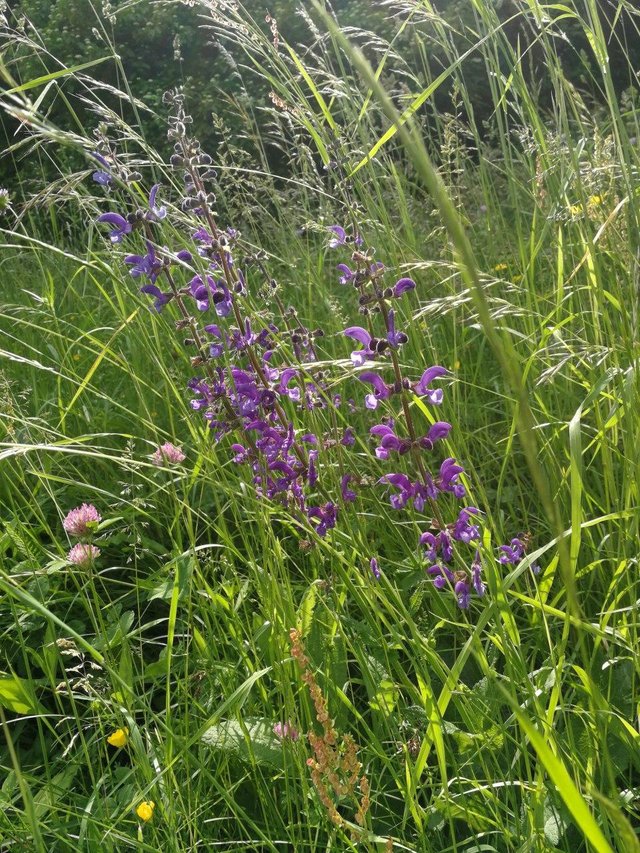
x,y
501,267
145,810
576,209
119,738
516,278
595,201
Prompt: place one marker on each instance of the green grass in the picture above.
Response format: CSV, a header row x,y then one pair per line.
x,y
508,727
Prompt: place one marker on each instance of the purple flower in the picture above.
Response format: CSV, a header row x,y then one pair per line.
x,y
437,543
375,570
389,441
348,495
512,553
323,518
381,391
120,226
102,176
339,238
285,731
161,299
216,349
422,388
404,486
438,431
463,530
149,265
348,274
156,213
394,338
403,285
448,480
82,520
222,300
285,378
348,438
441,575
361,335
83,555
168,454
463,593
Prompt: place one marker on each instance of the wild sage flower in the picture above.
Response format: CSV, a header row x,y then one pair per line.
x,y
82,521
83,555
120,226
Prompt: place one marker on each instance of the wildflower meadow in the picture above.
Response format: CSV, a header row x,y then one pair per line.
x,y
320,446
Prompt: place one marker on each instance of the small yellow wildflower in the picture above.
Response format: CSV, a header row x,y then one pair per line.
x,y
145,810
576,209
119,738
516,278
595,200
500,267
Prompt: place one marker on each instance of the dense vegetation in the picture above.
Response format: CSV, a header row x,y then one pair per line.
x,y
262,594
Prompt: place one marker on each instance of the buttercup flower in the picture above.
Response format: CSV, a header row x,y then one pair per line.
x,y
119,738
168,454
82,520
145,810
83,555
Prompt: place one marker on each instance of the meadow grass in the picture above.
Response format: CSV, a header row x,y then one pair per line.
x,y
511,726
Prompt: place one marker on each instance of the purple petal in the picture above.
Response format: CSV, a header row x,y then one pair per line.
x,y
403,285
358,334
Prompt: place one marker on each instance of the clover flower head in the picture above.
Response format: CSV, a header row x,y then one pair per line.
x,y
145,810
82,520
286,731
119,738
83,555
168,454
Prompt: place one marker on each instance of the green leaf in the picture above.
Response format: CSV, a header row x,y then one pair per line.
x,y
16,694
55,75
250,740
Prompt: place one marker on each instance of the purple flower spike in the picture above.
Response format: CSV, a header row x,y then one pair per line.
x,y
339,238
375,569
403,285
422,388
358,357
120,226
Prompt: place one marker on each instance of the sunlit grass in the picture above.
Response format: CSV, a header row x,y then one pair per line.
x,y
510,727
